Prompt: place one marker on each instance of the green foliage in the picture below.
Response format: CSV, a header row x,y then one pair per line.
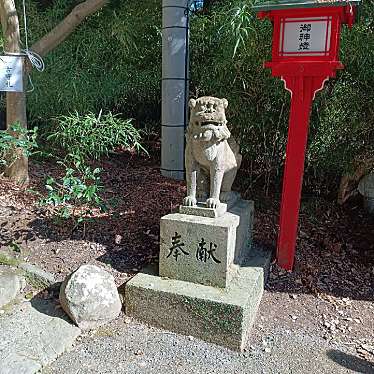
x,y
343,118
17,137
79,186
240,27
228,48
113,61
90,137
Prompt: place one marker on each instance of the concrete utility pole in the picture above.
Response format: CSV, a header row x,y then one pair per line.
x,y
175,74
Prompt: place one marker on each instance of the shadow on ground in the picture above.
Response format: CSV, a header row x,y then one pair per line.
x,y
356,364
47,302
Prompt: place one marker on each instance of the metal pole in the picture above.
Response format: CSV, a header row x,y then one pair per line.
x,y
175,35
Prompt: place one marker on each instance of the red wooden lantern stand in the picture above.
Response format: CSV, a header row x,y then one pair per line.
x,y
306,41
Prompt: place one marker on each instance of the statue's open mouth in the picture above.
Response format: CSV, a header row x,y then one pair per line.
x,y
210,123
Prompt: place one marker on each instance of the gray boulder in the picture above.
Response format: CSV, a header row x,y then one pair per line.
x,y
10,285
90,297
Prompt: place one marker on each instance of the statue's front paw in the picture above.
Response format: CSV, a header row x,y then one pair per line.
x,y
212,203
189,201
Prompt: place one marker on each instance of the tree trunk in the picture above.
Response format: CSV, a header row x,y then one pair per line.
x,y
67,26
15,101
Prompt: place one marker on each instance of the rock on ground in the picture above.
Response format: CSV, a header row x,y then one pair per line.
x,y
90,297
10,285
33,336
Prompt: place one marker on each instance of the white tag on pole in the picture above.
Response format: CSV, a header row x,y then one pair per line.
x,y
11,73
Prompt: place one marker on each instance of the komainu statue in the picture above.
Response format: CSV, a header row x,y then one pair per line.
x,y
212,155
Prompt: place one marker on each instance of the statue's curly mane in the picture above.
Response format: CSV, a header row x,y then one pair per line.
x,y
220,132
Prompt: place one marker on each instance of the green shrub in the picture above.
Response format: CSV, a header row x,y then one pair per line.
x,y
343,118
228,48
17,137
80,186
89,136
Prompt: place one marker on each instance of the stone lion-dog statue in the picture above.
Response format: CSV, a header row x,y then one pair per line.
x,y
212,155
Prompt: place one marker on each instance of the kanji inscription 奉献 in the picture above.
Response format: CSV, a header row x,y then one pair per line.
x,y
204,251
176,248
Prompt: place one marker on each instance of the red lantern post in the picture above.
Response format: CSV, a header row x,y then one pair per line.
x,y
305,54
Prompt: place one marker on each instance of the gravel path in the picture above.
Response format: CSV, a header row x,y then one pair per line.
x,y
134,348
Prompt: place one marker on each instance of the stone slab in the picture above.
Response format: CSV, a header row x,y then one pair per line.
x,y
245,210
366,186
369,204
220,316
198,249
11,284
33,336
201,210
40,276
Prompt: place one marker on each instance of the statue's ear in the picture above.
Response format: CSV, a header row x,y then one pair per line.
x,y
225,103
192,103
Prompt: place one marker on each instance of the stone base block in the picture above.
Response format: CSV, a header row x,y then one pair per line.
x,y
220,316
200,249
201,210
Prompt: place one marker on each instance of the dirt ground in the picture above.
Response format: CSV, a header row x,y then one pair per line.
x,y
330,292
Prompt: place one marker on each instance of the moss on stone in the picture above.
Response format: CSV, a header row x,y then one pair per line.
x,y
222,316
35,281
7,260
105,331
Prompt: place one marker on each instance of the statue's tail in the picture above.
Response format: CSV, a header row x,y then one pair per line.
x,y
236,149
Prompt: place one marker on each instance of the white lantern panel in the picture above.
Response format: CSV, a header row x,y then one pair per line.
x,y
305,37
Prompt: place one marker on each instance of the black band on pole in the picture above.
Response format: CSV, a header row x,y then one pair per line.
x,y
175,79
174,27
174,6
181,125
182,171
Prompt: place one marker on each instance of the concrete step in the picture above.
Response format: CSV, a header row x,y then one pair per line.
x,y
33,336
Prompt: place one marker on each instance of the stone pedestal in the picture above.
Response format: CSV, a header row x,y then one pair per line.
x,y
210,279
202,249
215,315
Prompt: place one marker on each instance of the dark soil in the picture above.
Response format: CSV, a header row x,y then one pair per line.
x,y
330,291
